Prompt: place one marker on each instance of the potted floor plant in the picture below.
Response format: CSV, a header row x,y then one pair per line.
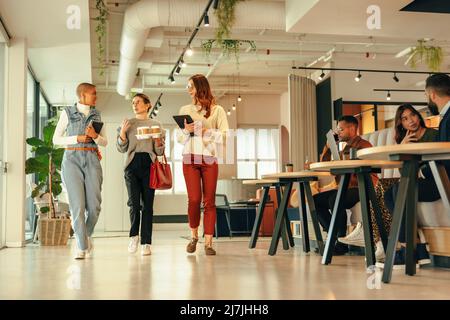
x,y
54,226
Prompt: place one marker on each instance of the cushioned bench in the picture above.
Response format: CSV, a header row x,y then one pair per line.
x,y
433,218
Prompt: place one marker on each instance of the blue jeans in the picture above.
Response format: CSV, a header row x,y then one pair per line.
x,y
82,176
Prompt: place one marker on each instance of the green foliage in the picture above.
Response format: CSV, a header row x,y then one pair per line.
x,y
225,17
432,56
228,46
100,31
46,164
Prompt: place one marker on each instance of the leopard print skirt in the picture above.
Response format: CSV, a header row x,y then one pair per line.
x,y
380,189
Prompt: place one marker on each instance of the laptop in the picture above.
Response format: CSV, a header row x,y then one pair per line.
x,y
333,146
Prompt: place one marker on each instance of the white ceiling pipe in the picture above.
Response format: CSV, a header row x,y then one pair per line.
x,y
147,14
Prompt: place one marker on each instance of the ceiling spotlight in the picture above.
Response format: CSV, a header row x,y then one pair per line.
x,y
322,75
396,79
239,99
183,64
206,20
178,70
229,112
189,52
358,77
216,4
388,97
156,111
234,107
172,79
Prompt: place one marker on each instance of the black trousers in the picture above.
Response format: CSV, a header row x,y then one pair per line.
x,y
427,192
324,203
140,196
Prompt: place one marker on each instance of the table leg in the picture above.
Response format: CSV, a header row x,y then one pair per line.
x,y
315,220
367,226
441,178
284,235
410,221
399,208
280,219
259,216
338,206
303,217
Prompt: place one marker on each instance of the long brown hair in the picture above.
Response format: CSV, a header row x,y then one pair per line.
x,y
400,131
203,93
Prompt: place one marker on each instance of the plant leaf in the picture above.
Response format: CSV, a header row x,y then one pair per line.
x,y
36,190
45,209
33,165
48,131
57,157
35,142
56,188
43,150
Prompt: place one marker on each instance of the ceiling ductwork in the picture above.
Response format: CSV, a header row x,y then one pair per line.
x,y
142,16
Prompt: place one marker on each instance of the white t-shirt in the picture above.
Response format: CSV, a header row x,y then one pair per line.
x,y
60,138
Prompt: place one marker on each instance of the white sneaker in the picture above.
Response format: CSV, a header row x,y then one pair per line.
x,y
133,244
145,250
90,246
81,254
355,238
379,252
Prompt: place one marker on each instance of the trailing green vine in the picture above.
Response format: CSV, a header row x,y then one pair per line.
x,y
228,47
225,17
100,30
432,56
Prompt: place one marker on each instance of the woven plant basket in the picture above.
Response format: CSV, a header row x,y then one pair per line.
x,y
54,232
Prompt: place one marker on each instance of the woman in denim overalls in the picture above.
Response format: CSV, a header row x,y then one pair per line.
x,y
81,170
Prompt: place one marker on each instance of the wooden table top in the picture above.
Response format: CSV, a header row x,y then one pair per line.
x,y
259,181
297,174
346,164
422,148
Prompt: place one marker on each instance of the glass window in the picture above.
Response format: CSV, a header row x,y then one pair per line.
x,y
43,113
257,152
30,179
246,143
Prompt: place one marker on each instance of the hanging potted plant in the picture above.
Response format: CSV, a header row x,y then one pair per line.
x,y
228,47
54,227
431,55
225,17
100,31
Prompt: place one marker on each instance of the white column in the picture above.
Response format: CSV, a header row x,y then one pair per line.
x,y
15,150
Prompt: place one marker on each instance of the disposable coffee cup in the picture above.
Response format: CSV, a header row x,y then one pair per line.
x,y
289,167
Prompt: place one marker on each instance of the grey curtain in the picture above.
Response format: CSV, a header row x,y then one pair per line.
x,y
303,121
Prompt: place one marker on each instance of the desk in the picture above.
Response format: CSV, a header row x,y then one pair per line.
x,y
266,184
412,155
362,169
303,178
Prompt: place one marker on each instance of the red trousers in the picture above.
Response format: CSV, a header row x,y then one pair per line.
x,y
201,179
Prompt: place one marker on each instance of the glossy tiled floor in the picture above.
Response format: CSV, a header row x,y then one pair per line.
x,y
236,272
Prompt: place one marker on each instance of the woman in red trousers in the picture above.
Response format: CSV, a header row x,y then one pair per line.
x,y
201,140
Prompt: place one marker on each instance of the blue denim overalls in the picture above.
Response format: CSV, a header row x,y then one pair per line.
x,y
82,176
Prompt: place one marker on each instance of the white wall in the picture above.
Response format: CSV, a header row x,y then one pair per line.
x,y
15,115
253,110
